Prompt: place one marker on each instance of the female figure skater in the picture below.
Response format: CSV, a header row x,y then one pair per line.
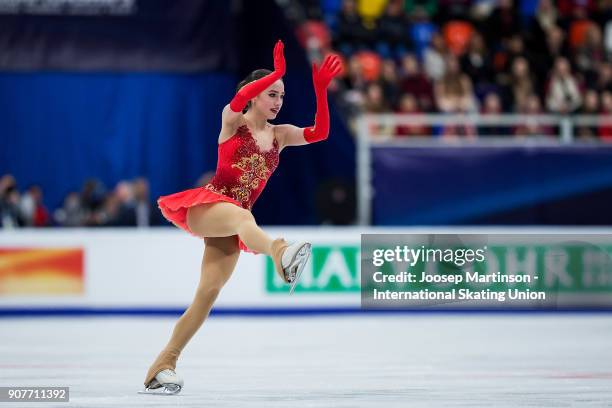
x,y
219,212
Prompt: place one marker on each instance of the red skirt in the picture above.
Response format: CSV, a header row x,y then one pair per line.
x,y
174,208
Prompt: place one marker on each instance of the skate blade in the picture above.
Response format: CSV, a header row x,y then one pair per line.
x,y
167,389
299,262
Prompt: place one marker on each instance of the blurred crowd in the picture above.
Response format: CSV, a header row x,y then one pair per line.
x,y
126,205
469,56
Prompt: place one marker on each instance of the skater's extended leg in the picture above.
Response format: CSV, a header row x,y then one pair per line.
x,y
219,260
225,219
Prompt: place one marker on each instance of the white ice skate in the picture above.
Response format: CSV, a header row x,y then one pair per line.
x,y
293,261
166,382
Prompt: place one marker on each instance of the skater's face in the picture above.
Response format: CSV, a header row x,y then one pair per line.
x,y
269,102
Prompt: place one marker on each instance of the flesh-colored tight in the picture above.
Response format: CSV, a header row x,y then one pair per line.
x,y
218,223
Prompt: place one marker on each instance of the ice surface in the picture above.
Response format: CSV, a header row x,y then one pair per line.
x,y
349,361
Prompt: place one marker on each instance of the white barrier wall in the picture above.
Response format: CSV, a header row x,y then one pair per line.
x,y
160,268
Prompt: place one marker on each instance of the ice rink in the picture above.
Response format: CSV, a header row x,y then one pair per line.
x,y
407,360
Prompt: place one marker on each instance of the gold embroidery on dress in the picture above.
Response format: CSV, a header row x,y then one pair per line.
x,y
254,170
214,189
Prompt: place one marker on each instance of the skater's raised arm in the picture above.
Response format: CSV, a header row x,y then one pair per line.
x,y
289,135
233,111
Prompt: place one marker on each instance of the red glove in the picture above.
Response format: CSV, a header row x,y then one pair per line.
x,y
321,78
252,89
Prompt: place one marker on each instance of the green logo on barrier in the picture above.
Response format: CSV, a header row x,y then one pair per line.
x,y
331,269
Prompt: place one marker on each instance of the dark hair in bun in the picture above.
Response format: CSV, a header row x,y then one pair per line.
x,y
253,76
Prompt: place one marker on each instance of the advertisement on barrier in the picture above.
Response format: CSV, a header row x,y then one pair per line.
x,y
417,270
160,269
41,271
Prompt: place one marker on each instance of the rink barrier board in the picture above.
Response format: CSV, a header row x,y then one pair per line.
x,y
156,271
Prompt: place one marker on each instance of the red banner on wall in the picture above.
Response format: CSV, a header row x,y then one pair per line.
x,y
41,271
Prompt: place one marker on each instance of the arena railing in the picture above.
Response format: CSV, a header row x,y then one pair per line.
x,y
463,130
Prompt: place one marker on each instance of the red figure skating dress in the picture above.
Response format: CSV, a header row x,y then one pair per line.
x,y
243,170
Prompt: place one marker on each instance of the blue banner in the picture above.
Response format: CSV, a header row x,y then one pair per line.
x,y
492,185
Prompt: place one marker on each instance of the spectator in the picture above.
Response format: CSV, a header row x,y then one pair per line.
x,y
462,130
415,83
352,35
408,105
578,25
556,46
107,214
604,78
126,212
454,92
492,105
92,198
545,19
355,83
477,63
421,31
389,82
10,213
513,48
355,78
7,183
144,214
493,48
605,129
392,30
434,58
27,208
481,10
590,107
608,37
33,210
575,7
532,126
522,85
127,205
72,213
504,22
374,99
563,94
314,37
590,54
375,103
